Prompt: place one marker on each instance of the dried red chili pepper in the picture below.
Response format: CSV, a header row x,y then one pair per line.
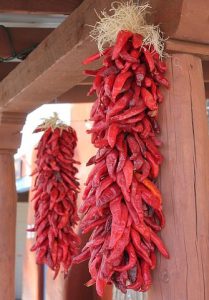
x,y
122,204
122,38
55,199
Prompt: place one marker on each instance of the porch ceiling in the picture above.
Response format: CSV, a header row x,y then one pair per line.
x,y
53,70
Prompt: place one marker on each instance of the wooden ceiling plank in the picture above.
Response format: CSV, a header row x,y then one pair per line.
x,y
55,65
65,7
182,19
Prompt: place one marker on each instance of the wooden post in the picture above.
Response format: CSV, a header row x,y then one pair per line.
x,y
7,225
10,137
184,183
32,279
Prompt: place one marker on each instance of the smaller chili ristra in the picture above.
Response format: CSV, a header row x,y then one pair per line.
x,y
55,195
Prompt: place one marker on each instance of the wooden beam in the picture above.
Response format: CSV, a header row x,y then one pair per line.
x,y
65,7
55,65
201,50
78,94
182,19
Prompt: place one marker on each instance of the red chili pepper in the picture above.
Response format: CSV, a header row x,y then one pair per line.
x,y
121,181
112,134
122,38
109,194
133,111
161,80
152,187
137,40
119,83
136,285
128,173
149,59
109,81
140,250
111,162
130,58
96,56
119,63
140,73
146,276
132,260
153,164
148,99
159,244
121,104
118,226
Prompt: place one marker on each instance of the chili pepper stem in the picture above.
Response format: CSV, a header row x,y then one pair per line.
x,y
126,16
52,122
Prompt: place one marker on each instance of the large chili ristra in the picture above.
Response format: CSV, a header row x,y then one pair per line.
x,y
122,205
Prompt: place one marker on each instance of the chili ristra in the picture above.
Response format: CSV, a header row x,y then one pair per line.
x,y
55,195
122,205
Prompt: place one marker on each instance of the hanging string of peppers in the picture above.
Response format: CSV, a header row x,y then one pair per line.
x,y
122,204
56,189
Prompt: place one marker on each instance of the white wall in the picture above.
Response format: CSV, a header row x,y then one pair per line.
x,y
22,209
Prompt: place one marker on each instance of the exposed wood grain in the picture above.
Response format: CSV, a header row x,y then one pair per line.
x,y
40,6
201,50
184,182
54,67
182,19
8,200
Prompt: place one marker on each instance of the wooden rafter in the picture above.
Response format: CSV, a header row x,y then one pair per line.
x,y
55,65
182,19
201,50
40,6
